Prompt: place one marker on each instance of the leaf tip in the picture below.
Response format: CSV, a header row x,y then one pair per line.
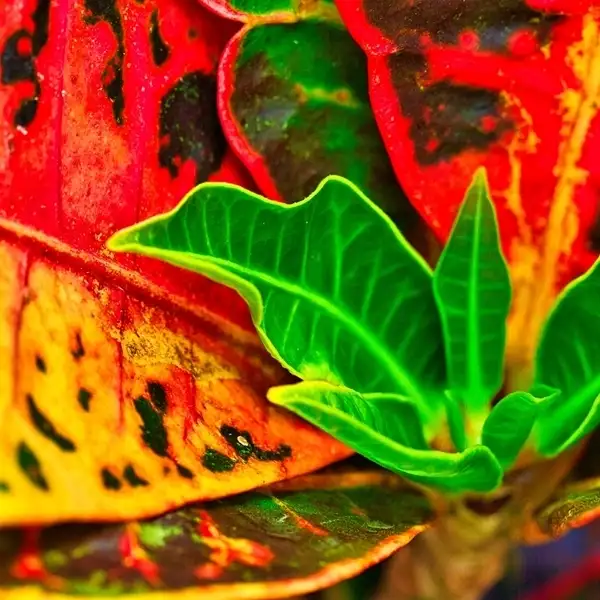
x,y
480,177
117,241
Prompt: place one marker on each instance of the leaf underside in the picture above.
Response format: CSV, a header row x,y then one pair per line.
x,y
254,546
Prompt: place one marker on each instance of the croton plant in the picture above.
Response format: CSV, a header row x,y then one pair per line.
x,y
241,240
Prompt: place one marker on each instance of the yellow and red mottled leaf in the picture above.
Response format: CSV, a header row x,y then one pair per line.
x,y
514,86
126,387
259,545
293,100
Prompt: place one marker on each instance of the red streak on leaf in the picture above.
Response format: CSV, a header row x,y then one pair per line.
x,y
301,522
226,551
310,527
209,571
29,565
133,556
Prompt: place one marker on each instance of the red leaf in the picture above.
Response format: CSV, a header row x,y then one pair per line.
x,y
117,375
512,86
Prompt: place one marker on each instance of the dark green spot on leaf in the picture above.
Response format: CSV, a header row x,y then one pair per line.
x,y
189,126
154,433
30,466
216,462
46,428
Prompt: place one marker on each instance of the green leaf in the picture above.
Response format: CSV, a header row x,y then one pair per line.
x,y
508,427
377,431
472,289
456,421
259,545
335,291
297,110
257,11
568,358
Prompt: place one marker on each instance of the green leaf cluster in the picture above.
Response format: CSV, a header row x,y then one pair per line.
x,y
395,359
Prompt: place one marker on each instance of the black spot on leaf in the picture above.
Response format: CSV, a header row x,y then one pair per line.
x,y
158,396
189,126
84,398
4,487
40,364
109,480
30,466
132,478
446,118
160,50
240,441
18,62
78,351
283,451
46,427
184,472
408,22
112,76
245,448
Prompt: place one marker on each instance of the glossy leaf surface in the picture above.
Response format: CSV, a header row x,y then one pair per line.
x,y
297,100
271,10
509,424
328,303
121,380
506,85
374,428
568,359
258,545
472,290
293,100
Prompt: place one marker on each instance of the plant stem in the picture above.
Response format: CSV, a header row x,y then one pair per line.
x,y
466,551
459,558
